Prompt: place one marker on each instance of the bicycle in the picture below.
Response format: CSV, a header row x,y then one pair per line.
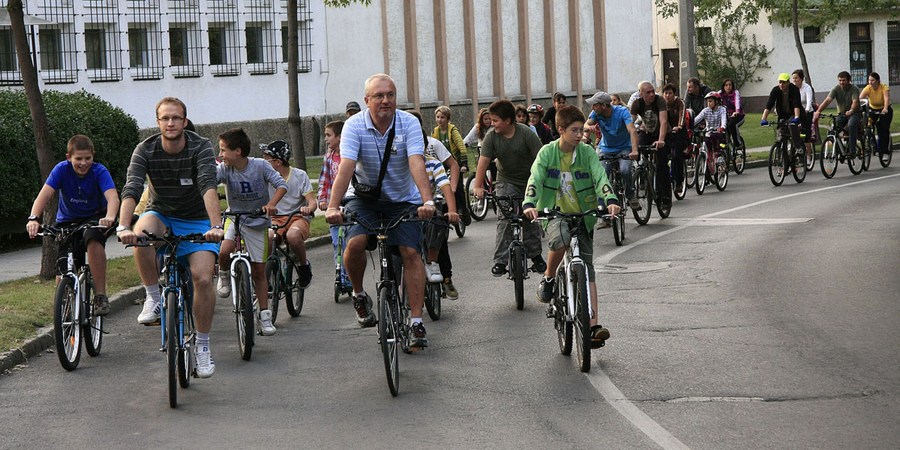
x,y
479,207
784,156
736,152
242,299
833,151
570,307
710,167
510,208
176,317
393,308
617,222
283,273
73,308
645,189
871,141
434,291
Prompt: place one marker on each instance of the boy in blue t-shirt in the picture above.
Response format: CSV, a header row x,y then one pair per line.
x,y
86,192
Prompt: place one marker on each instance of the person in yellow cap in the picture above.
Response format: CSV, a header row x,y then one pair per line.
x,y
785,98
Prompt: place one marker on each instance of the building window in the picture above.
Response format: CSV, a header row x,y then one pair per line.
x,y
255,41
95,48
704,36
7,53
224,50
811,35
261,56
138,48
217,46
178,46
51,49
894,53
185,47
860,53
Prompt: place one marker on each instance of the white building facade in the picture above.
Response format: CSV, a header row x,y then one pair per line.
x,y
226,58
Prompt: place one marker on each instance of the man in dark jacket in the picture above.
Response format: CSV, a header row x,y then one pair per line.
x,y
696,92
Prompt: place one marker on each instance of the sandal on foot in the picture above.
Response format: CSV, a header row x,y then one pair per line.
x,y
599,335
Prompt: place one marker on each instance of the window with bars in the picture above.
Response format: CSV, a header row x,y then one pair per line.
x,y
145,40
57,43
224,50
304,46
95,48
704,36
7,53
260,47
51,49
102,43
185,47
860,53
893,35
812,34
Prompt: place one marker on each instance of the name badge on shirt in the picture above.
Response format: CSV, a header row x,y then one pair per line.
x,y
187,182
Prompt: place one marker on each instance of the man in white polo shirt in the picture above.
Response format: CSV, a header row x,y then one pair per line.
x,y
378,131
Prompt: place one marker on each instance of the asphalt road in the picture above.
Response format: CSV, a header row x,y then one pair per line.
x,y
758,317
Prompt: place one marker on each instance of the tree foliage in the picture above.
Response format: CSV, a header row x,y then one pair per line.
x,y
732,55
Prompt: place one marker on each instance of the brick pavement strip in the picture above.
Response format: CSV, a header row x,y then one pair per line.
x,y
43,338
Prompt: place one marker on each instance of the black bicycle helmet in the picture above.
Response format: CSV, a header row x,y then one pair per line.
x,y
279,150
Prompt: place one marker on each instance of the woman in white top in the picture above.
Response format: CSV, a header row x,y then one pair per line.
x,y
808,102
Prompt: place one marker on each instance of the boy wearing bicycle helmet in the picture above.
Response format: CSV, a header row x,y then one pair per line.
x,y
567,176
301,197
246,180
535,112
86,192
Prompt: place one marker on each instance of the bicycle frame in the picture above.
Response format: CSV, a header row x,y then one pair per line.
x,y
572,259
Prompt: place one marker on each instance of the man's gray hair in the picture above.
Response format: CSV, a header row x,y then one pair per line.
x,y
378,76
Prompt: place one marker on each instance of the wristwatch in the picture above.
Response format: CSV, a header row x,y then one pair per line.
x,y
122,228
34,218
429,203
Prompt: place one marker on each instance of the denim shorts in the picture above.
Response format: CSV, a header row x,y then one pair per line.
x,y
181,227
408,234
558,237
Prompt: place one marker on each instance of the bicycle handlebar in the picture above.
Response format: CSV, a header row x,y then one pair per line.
x,y
548,214
61,233
170,239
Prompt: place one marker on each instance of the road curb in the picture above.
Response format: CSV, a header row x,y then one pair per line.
x,y
43,338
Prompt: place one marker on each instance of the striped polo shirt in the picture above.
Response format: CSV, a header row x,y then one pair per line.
x,y
361,142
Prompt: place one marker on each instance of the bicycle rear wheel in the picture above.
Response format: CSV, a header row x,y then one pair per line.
x,y
478,207
618,227
244,313
828,162
66,326
810,157
93,325
294,294
800,164
517,271
186,349
389,337
582,326
562,325
433,300
855,160
172,346
776,163
739,156
868,148
273,279
642,193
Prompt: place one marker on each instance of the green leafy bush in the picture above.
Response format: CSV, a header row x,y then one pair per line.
x,y
114,133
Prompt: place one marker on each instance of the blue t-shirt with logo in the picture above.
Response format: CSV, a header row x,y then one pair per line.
x,y
615,129
80,197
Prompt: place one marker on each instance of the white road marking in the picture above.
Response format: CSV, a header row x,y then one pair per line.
x,y
601,381
717,222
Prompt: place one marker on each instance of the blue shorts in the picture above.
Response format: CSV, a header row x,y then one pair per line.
x,y
408,234
180,227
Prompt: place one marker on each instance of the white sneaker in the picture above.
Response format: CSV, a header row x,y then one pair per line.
x,y
224,285
150,313
205,364
266,328
433,270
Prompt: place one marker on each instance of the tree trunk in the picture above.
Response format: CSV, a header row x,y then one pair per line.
x,y
294,122
799,43
42,140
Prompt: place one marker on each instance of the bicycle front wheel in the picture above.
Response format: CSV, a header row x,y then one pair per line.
x,y
739,156
690,170
618,227
776,164
560,322
582,324
642,193
433,300
294,294
389,338
799,164
243,313
855,160
721,174
172,346
869,145
478,207
517,271
700,172
66,324
186,349
273,279
828,161
93,324
460,228
810,156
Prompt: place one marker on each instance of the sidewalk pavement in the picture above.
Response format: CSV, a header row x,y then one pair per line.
x,y
27,263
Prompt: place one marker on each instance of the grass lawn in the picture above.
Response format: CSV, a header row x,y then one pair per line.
x,y
27,304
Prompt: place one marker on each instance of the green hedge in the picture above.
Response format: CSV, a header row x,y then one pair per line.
x,y
114,133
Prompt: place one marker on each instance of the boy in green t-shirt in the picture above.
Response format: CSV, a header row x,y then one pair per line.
x,y
568,176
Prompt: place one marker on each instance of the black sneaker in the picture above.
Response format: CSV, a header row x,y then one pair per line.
x,y
545,290
538,264
418,339
304,275
101,305
599,335
363,305
498,270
